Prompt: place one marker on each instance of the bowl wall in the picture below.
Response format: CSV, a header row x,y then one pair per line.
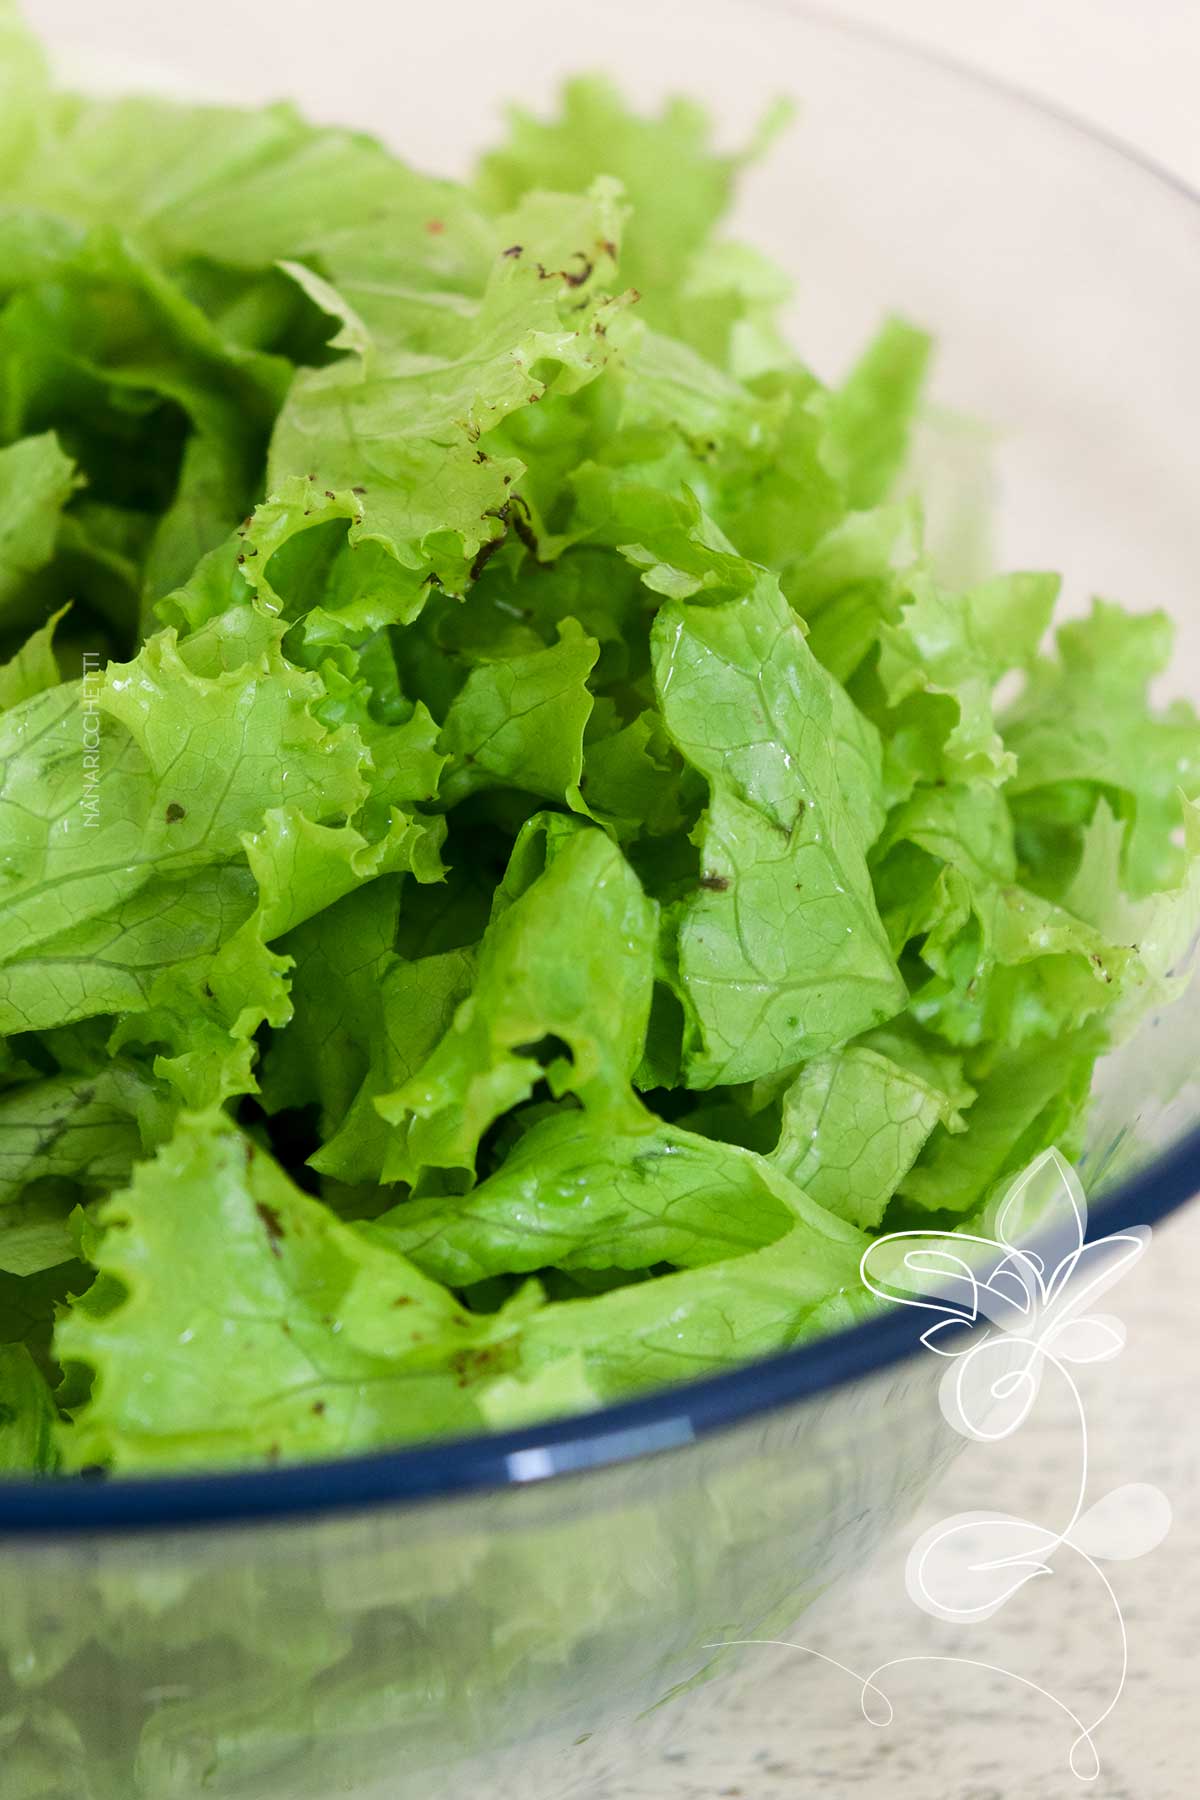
x,y
520,1642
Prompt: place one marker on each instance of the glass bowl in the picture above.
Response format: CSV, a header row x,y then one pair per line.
x,y
524,1613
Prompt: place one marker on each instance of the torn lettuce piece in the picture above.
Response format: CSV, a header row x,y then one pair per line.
x,y
698,1321
249,1322
111,352
939,666
679,188
338,958
181,766
870,416
679,423
631,779
112,961
90,1127
1161,927
417,1001
1026,1099
787,504
1086,728
303,869
33,668
519,722
38,1230
27,1415
1020,968
411,431
678,550
36,481
854,579
855,1120
780,953
584,1192
1004,963
174,941
561,990
202,1016
554,1390
243,189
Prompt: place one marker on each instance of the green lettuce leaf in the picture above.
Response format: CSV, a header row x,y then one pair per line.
x,y
411,432
33,669
520,722
36,481
27,1415
698,1321
175,768
1026,1099
852,579
679,187
339,957
632,779
780,952
578,1192
115,355
871,415
91,1128
416,1005
855,1121
1085,728
1007,964
940,663
561,990
250,1321
244,188
38,1231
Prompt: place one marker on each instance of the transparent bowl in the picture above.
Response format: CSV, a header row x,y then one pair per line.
x,y
509,1614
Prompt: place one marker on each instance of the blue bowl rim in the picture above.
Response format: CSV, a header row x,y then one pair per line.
x,y
667,1418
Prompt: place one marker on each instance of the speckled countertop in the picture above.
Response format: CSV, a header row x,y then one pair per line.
x,y
961,1733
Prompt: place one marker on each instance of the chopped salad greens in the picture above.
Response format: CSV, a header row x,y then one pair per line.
x,y
511,861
